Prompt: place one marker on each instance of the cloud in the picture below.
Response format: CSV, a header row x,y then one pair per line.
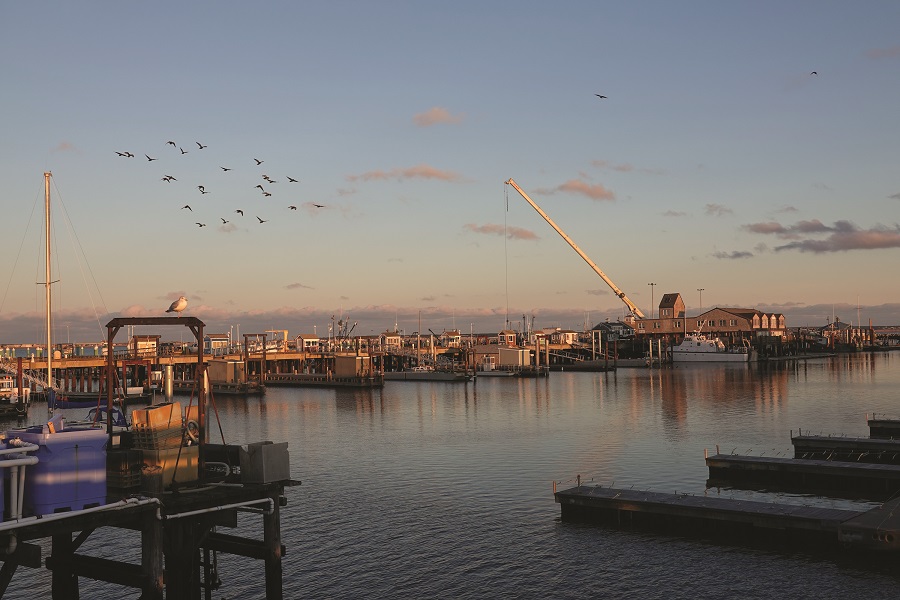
x,y
736,254
717,210
297,286
435,116
821,186
228,227
787,209
417,172
840,236
625,167
598,292
895,196
878,53
65,147
576,186
674,213
512,233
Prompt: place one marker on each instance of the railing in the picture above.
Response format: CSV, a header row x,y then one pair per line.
x,y
12,368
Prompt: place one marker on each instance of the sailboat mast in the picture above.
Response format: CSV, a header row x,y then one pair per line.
x,y
47,274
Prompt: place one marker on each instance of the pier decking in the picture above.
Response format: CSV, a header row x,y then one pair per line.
x,y
736,520
852,449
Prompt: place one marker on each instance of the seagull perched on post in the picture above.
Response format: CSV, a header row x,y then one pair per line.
x,y
178,306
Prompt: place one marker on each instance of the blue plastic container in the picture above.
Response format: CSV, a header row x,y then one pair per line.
x,y
71,472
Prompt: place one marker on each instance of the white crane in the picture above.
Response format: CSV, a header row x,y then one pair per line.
x,y
631,305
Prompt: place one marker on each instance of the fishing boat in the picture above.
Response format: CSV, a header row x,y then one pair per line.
x,y
699,348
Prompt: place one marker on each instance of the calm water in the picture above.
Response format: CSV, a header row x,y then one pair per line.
x,y
425,490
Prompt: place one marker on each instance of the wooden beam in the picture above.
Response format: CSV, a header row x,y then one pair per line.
x,y
102,569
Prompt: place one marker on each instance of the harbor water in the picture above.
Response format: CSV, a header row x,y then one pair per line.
x,y
444,490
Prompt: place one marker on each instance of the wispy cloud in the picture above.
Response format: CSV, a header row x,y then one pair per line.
x,y
512,233
895,196
624,167
417,172
718,210
840,236
734,255
787,209
598,292
576,186
65,147
877,53
298,286
674,213
435,116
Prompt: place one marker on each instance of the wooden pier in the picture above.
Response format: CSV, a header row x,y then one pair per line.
x,y
845,479
887,429
186,490
735,520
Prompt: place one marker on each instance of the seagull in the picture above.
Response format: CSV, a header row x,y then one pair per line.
x,y
292,180
148,158
121,153
319,205
258,162
201,145
262,220
201,188
178,306
259,185
201,224
292,207
187,206
814,73
171,143
240,212
225,168
267,194
129,154
224,221
599,96
169,178
183,151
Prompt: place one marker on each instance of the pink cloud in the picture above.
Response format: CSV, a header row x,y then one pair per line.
x,y
718,210
594,192
512,233
417,172
435,116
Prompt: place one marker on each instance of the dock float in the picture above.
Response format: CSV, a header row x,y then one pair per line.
x,y
847,449
886,429
845,479
877,529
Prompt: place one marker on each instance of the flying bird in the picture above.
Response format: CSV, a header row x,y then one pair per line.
x,y
292,180
599,96
187,206
179,305
183,151
267,194
259,185
240,212
225,168
169,178
319,205
262,220
201,145
171,143
201,224
292,207
129,154
201,188
121,153
148,158
814,73
258,162
224,221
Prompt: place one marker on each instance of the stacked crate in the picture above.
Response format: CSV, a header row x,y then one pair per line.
x,y
159,434
123,469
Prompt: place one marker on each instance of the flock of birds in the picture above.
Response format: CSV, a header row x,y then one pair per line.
x,y
203,190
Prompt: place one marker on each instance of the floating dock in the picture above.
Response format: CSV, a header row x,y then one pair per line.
x,y
888,429
845,479
847,449
737,520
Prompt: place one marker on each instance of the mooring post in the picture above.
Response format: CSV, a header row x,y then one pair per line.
x,y
64,583
578,479
152,557
272,541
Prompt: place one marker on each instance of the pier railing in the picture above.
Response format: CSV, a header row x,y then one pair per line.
x,y
12,367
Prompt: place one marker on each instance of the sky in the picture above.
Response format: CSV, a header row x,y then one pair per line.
x,y
749,150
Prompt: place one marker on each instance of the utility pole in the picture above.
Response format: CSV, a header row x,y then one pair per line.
x,y
701,298
652,307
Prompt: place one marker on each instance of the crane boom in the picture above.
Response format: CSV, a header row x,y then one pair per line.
x,y
631,305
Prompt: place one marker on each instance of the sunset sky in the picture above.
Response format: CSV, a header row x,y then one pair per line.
x,y
748,149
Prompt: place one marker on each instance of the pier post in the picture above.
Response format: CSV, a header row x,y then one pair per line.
x,y
64,583
152,557
272,541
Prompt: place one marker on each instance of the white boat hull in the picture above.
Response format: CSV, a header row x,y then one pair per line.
x,y
710,357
